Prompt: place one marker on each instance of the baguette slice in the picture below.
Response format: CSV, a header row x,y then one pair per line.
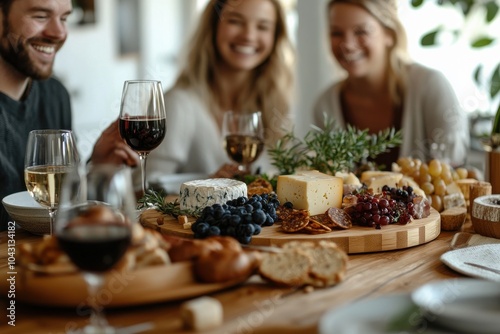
x,y
288,268
329,264
305,263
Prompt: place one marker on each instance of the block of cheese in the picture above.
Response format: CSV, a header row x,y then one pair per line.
x,y
202,313
377,179
310,190
197,194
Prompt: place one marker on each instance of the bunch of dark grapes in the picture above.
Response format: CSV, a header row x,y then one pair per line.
x,y
393,205
240,218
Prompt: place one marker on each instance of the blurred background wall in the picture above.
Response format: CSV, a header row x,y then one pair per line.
x,y
111,41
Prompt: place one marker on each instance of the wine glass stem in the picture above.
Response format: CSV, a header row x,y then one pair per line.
x,y
143,158
52,215
95,283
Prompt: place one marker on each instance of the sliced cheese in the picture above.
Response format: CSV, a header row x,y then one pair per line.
x,y
376,180
195,195
310,190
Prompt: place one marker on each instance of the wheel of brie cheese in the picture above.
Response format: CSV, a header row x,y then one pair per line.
x,y
195,195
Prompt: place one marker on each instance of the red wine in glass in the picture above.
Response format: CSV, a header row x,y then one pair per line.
x,y
95,247
142,134
142,119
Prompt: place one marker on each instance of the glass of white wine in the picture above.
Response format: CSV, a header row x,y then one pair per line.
x,y
243,137
50,155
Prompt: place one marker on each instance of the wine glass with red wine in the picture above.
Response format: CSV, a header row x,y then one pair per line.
x,y
94,227
143,120
243,137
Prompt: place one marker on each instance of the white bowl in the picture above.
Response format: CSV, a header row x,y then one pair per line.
x,y
27,213
464,305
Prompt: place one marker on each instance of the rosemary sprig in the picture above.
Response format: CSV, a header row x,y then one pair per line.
x,y
331,149
156,199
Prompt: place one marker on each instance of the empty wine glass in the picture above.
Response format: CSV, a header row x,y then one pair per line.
x,y
243,137
50,155
142,118
94,228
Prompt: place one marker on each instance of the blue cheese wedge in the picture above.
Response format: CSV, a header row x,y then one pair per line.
x,y
195,195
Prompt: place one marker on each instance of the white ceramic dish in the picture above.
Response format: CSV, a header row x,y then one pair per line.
x,y
483,255
27,213
172,183
394,313
463,305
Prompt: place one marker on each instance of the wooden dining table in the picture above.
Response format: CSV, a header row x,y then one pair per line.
x,y
255,306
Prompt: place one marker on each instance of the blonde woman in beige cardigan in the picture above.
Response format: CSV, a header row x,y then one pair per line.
x,y
383,88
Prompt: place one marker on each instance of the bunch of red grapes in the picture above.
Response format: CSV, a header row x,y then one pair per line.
x,y
393,205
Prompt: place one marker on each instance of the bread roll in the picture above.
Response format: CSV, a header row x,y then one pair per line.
x,y
223,266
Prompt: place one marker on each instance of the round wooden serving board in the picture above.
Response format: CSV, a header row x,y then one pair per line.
x,y
143,286
354,240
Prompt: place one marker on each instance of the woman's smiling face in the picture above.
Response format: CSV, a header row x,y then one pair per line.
x,y
358,40
245,33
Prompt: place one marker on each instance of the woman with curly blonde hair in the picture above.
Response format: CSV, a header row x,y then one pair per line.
x,y
240,58
383,88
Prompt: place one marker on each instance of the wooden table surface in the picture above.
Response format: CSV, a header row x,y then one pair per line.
x,y
256,307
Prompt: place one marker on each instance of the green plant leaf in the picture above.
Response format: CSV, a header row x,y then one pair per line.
x,y
429,39
482,42
495,82
496,123
491,11
331,149
417,3
478,74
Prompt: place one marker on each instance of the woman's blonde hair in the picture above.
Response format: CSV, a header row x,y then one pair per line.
x,y
386,12
270,87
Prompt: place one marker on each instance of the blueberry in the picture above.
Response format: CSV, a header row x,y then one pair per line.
x,y
241,200
247,218
288,205
257,229
269,220
248,208
230,230
257,205
218,212
259,217
202,228
245,239
213,231
234,220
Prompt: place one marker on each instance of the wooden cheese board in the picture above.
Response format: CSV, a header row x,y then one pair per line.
x,y
152,284
354,240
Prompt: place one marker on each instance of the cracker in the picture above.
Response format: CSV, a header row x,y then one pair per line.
x,y
293,220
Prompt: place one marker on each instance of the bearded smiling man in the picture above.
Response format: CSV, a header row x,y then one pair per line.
x,y
31,33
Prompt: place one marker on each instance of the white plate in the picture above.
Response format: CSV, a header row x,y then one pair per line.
x,y
394,313
484,255
464,305
172,183
27,213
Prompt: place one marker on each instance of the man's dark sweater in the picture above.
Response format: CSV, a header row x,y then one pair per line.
x,y
47,106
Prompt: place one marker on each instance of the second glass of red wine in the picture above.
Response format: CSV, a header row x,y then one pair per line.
x,y
143,120
94,227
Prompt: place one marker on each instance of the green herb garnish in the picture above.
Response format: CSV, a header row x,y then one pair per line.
x,y
156,199
331,149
